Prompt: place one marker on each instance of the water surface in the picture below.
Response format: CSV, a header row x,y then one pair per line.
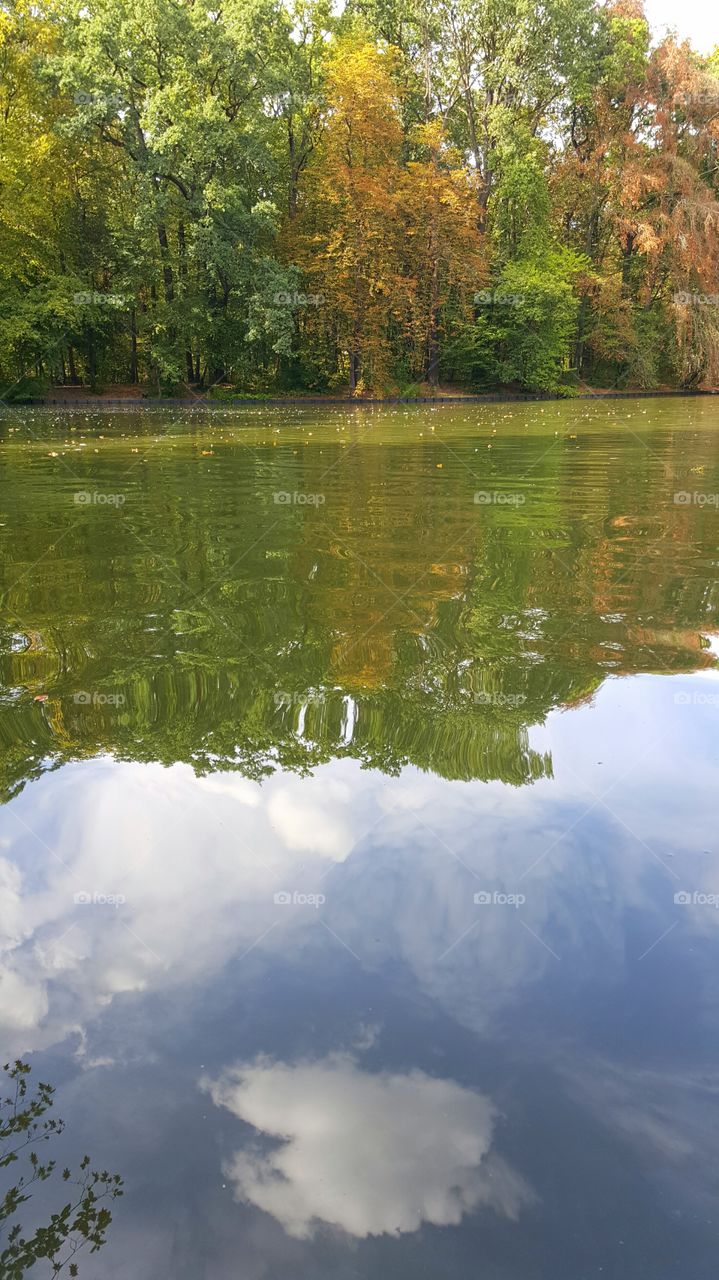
x,y
358,859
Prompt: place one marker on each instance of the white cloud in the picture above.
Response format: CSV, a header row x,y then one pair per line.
x,y
371,1154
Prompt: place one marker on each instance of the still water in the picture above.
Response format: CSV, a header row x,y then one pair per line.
x,y
358,852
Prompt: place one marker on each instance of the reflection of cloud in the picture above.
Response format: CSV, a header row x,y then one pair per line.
x,y
197,861
370,1153
308,818
22,1004
10,905
662,1115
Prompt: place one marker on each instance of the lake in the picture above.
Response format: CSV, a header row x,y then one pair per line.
x,y
359,870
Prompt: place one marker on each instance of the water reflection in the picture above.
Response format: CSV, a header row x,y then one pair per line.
x,y
122,879
401,622
388,828
369,1153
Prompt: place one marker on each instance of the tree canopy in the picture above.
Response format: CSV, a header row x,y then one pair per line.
x,y
275,196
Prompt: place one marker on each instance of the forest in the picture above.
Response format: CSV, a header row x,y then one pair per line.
x,y
279,197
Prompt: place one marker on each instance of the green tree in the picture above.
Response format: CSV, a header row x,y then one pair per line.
x,y
82,1221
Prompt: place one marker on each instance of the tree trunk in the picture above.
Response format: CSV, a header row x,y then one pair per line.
x,y
294,175
627,260
133,346
91,359
182,271
581,329
167,276
433,333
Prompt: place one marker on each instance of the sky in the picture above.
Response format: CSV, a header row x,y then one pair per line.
x,y
697,20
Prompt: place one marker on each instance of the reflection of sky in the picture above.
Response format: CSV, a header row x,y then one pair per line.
x,y
398,1016
371,1153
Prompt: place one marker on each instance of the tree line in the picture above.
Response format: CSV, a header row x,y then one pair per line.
x,y
272,196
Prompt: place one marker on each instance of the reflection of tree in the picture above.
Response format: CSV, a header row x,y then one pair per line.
x,y
82,1221
399,622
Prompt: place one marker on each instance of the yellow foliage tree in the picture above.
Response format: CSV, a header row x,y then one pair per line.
x,y
386,244
444,249
346,236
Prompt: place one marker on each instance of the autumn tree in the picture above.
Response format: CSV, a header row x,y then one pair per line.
x,y
349,235
278,195
633,191
443,248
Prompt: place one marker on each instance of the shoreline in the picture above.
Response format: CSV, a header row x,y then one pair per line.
x,y
202,402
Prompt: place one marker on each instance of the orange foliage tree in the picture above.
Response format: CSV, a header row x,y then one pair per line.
x,y
443,248
346,234
386,245
636,189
